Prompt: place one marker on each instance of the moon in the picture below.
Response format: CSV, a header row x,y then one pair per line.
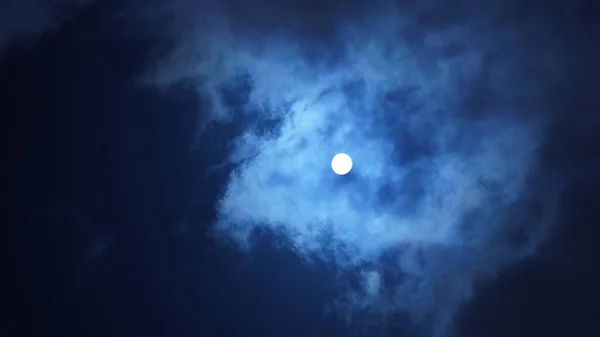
x,y
341,164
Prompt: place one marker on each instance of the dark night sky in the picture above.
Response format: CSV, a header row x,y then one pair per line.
x,y
101,176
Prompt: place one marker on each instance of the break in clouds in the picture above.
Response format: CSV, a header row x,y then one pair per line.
x,y
442,106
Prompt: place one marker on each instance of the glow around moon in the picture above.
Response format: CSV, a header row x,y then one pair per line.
x,y
341,164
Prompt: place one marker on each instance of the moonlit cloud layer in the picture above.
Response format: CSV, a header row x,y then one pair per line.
x,y
441,106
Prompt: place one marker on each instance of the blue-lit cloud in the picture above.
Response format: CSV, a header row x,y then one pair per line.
x,y
441,108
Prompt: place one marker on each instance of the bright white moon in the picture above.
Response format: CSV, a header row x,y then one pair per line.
x,y
341,164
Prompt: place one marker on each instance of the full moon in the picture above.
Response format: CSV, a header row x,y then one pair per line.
x,y
341,164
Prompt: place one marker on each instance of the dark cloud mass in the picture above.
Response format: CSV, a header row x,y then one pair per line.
x,y
442,105
25,20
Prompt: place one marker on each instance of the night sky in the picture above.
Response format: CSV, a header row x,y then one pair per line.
x,y
165,171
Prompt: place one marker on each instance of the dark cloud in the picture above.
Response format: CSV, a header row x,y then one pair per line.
x,y
23,21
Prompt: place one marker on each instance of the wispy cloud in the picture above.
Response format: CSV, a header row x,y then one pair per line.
x,y
442,107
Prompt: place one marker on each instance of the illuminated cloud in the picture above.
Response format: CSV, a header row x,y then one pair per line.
x,y
443,110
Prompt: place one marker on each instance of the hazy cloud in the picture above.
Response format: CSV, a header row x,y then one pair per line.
x,y
442,106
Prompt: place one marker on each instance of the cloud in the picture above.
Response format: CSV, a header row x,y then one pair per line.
x,y
443,108
27,19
